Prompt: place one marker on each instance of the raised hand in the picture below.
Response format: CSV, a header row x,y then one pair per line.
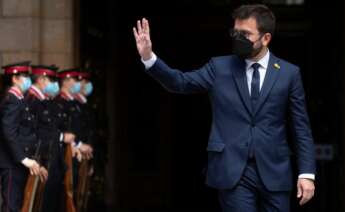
x,y
142,38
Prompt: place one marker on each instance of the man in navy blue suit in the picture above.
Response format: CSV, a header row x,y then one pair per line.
x,y
253,95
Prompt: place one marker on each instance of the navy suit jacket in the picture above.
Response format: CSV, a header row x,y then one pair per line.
x,y
236,124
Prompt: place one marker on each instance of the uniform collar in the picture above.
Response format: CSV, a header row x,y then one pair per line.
x,y
81,98
66,96
37,93
16,92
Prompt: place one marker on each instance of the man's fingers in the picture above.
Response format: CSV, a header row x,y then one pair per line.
x,y
136,36
299,191
146,26
41,178
44,173
45,176
307,195
302,201
36,171
140,29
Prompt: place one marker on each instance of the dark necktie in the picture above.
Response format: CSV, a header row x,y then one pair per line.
x,y
254,97
255,85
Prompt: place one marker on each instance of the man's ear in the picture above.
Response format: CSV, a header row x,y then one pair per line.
x,y
65,81
41,79
14,78
267,39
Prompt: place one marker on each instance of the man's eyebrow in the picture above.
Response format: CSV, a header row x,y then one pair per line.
x,y
244,31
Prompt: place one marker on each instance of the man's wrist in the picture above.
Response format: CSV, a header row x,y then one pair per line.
x,y
147,57
149,62
308,176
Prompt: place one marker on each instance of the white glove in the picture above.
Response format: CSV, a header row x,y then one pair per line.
x,y
32,165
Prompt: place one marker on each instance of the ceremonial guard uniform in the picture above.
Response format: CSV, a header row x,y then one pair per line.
x,y
86,128
19,141
51,150
69,112
86,124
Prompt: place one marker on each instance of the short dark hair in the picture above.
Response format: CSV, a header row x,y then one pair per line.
x,y
35,77
8,78
265,19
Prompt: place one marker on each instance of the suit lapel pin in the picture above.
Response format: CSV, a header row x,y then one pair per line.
x,y
276,66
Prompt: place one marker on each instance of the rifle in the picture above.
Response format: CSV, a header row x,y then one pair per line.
x,y
84,181
41,186
83,186
31,187
68,180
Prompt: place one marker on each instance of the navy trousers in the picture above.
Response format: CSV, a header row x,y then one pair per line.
x,y
250,195
13,181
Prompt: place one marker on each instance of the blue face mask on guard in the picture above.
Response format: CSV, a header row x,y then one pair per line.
x,y
75,88
88,88
52,89
56,89
26,84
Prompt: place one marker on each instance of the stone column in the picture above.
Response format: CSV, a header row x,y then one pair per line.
x,y
37,30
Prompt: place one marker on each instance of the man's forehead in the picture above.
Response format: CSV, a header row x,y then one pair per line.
x,y
248,24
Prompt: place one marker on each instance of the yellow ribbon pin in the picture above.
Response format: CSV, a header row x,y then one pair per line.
x,y
277,66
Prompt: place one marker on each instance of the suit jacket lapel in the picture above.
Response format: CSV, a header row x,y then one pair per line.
x,y
240,78
270,78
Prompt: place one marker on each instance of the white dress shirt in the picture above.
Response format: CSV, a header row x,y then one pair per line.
x,y
263,62
249,73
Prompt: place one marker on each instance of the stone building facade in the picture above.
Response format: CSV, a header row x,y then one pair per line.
x,y
38,30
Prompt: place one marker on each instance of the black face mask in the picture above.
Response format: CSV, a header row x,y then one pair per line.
x,y
244,48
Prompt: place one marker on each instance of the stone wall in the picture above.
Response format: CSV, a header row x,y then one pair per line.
x,y
38,30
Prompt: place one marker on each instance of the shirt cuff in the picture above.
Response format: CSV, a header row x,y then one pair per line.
x,y
150,62
61,137
25,160
307,176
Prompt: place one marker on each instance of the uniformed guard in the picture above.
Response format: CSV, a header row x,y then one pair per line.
x,y
85,125
38,98
19,141
87,135
70,111
68,106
